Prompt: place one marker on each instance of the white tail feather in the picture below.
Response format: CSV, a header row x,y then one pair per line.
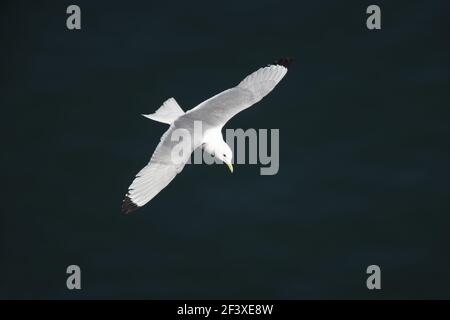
x,y
167,113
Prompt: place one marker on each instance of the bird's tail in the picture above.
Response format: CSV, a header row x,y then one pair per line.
x,y
167,113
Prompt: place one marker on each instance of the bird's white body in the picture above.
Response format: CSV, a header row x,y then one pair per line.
x,y
213,114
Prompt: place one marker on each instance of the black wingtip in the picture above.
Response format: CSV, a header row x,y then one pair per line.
x,y
128,205
285,62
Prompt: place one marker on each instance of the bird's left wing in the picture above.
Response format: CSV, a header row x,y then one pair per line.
x,y
219,109
157,174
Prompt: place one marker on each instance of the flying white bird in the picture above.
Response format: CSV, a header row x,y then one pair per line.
x,y
213,114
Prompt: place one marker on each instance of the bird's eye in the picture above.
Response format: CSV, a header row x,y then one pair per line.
x,y
224,155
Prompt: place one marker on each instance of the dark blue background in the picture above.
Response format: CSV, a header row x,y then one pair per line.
x,y
364,159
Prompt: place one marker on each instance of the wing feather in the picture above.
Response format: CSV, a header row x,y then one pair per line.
x,y
219,109
155,176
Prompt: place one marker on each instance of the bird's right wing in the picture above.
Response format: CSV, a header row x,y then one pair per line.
x,y
216,111
156,175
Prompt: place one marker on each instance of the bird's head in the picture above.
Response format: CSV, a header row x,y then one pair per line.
x,y
227,156
222,151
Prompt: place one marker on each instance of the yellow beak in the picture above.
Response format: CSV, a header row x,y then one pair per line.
x,y
230,166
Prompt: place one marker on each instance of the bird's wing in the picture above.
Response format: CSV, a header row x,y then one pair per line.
x,y
156,175
216,111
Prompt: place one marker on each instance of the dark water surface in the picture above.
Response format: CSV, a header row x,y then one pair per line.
x,y
364,150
